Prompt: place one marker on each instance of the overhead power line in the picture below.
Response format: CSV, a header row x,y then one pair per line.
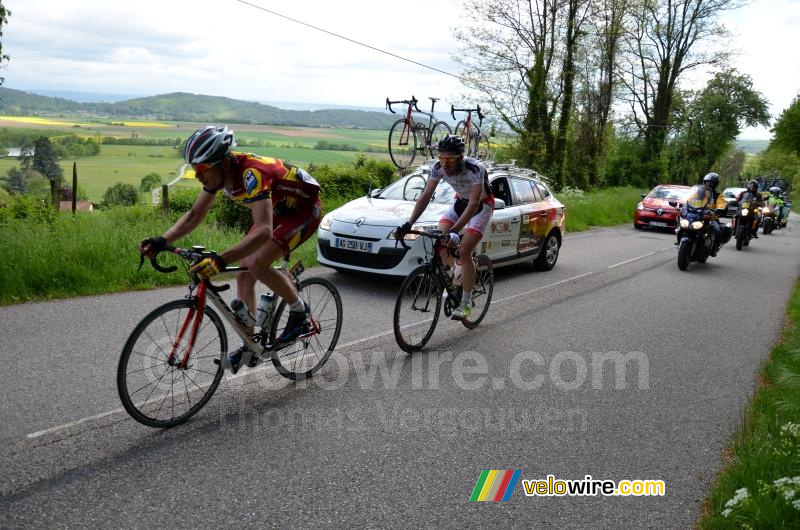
x,y
349,39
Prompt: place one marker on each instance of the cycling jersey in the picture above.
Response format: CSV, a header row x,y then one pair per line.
x,y
473,174
265,177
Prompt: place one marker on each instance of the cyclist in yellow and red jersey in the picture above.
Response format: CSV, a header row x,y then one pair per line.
x,y
284,201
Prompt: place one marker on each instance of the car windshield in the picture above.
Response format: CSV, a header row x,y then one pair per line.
x,y
732,193
413,185
668,193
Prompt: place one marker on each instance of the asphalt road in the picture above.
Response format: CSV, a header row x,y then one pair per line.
x,y
384,439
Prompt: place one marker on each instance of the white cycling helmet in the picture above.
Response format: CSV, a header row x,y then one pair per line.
x,y
208,145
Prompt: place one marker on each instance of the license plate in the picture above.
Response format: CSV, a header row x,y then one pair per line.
x,y
354,244
656,223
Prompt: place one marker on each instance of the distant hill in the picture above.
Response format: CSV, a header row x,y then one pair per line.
x,y
182,106
752,146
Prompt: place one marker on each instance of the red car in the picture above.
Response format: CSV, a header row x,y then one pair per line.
x,y
655,211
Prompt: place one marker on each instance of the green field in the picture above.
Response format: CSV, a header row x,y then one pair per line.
x,y
129,163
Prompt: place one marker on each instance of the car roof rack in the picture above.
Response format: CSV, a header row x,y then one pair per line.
x,y
515,170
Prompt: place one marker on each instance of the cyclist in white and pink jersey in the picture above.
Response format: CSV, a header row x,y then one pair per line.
x,y
472,209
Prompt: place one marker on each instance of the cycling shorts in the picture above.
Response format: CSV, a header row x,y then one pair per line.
x,y
478,221
293,226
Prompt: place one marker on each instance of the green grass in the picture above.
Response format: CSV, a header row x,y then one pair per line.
x,y
764,463
97,253
607,207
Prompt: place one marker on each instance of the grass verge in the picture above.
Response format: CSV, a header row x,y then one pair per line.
x,y
97,253
760,488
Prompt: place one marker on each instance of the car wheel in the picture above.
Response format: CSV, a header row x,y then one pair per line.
x,y
548,256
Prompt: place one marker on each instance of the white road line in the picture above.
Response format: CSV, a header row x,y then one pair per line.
x,y
614,266
64,426
507,298
73,423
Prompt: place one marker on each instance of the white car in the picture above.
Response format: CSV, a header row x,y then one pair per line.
x,y
527,224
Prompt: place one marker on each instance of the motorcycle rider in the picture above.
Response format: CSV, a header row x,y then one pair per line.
x,y
712,200
752,188
775,200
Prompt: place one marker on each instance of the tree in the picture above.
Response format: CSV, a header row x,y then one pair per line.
x,y
712,121
150,181
4,14
787,128
17,181
120,194
521,56
45,161
665,39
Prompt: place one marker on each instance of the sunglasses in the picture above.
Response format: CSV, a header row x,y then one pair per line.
x,y
449,158
202,168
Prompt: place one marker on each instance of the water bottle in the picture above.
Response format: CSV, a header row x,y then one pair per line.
x,y
242,313
264,308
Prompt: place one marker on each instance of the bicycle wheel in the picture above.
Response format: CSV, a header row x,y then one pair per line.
x,y
416,310
439,131
303,358
482,147
159,393
482,292
402,144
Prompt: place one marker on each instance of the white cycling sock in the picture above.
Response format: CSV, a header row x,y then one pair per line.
x,y
466,297
297,307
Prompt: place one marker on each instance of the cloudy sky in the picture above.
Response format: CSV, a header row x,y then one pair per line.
x,y
230,48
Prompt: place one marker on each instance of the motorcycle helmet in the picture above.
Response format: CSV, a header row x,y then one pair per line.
x,y
775,190
752,186
208,145
712,179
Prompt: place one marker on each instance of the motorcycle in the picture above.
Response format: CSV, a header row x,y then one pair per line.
x,y
743,221
770,221
696,234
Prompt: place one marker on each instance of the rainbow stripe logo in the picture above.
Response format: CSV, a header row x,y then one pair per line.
x,y
495,485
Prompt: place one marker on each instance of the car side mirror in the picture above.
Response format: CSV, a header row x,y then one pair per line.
x,y
674,204
499,204
373,193
644,195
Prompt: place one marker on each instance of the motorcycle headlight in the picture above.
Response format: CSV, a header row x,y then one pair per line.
x,y
326,222
640,207
697,225
684,223
745,212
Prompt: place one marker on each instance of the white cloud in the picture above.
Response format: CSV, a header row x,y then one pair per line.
x,y
232,49
228,48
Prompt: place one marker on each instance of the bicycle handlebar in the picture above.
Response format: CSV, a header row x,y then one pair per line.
x,y
476,109
412,102
192,256
436,235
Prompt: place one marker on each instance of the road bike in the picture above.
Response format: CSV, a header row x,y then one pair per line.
x,y
173,360
420,299
408,137
477,143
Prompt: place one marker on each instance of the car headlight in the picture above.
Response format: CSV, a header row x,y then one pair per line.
x,y
413,237
326,222
640,207
684,223
745,212
697,225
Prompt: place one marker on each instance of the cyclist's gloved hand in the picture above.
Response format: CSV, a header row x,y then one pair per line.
x,y
209,266
403,229
455,239
152,246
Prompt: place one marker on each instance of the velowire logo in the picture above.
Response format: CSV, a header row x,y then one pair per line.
x,y
495,485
